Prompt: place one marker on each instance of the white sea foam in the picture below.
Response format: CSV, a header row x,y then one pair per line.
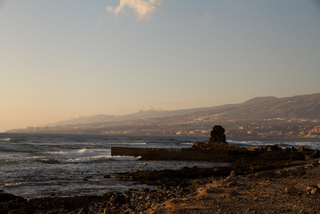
x,y
82,153
187,143
246,142
99,159
12,184
144,143
6,139
124,158
86,159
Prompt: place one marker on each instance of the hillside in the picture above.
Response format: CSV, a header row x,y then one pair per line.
x,y
102,118
297,116
297,107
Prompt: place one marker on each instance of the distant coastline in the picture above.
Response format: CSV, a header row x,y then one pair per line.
x,y
289,117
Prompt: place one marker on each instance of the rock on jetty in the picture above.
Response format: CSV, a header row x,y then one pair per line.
x,y
217,149
217,141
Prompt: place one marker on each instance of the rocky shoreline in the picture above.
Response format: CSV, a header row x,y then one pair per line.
x,y
264,180
213,190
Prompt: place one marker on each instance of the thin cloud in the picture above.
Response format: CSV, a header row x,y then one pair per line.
x,y
143,9
153,108
207,19
171,103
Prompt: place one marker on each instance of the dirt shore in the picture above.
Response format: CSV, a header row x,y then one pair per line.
x,y
290,190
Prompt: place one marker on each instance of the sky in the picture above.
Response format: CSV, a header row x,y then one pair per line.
x,y
65,59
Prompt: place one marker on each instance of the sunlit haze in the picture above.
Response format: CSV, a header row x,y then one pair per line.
x,y
65,59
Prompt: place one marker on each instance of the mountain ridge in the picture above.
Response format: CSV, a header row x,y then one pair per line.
x,y
299,106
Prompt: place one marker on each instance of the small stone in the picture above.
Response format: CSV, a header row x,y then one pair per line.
x,y
233,193
233,173
312,190
291,190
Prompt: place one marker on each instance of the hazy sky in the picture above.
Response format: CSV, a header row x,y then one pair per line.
x,y
60,59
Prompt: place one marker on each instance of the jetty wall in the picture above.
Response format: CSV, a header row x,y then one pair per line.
x,y
171,154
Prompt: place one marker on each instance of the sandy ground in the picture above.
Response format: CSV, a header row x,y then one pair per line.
x,y
292,190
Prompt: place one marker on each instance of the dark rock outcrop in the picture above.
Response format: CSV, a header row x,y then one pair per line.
x,y
73,203
273,148
217,135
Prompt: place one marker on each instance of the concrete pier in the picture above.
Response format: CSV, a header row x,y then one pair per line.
x,y
171,154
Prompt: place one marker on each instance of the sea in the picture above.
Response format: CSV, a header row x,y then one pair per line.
x,y
42,165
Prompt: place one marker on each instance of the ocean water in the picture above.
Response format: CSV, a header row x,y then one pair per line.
x,y
39,165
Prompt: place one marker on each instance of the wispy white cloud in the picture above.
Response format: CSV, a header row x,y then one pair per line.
x,y
207,19
143,9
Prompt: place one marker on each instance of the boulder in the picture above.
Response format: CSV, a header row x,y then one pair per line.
x,y
76,202
291,190
10,197
118,199
199,145
273,148
315,154
296,156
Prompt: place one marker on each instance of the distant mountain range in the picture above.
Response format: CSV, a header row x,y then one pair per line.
x,y
101,118
298,107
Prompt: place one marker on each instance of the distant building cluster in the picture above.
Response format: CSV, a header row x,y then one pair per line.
x,y
194,126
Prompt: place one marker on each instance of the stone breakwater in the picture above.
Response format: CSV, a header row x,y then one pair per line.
x,y
217,152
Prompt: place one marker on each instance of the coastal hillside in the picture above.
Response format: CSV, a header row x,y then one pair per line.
x,y
297,107
297,116
304,106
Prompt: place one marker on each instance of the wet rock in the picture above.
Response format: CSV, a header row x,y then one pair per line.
x,y
18,211
9,197
260,148
74,203
233,173
315,154
299,171
297,156
199,145
265,174
307,157
315,164
273,148
117,199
